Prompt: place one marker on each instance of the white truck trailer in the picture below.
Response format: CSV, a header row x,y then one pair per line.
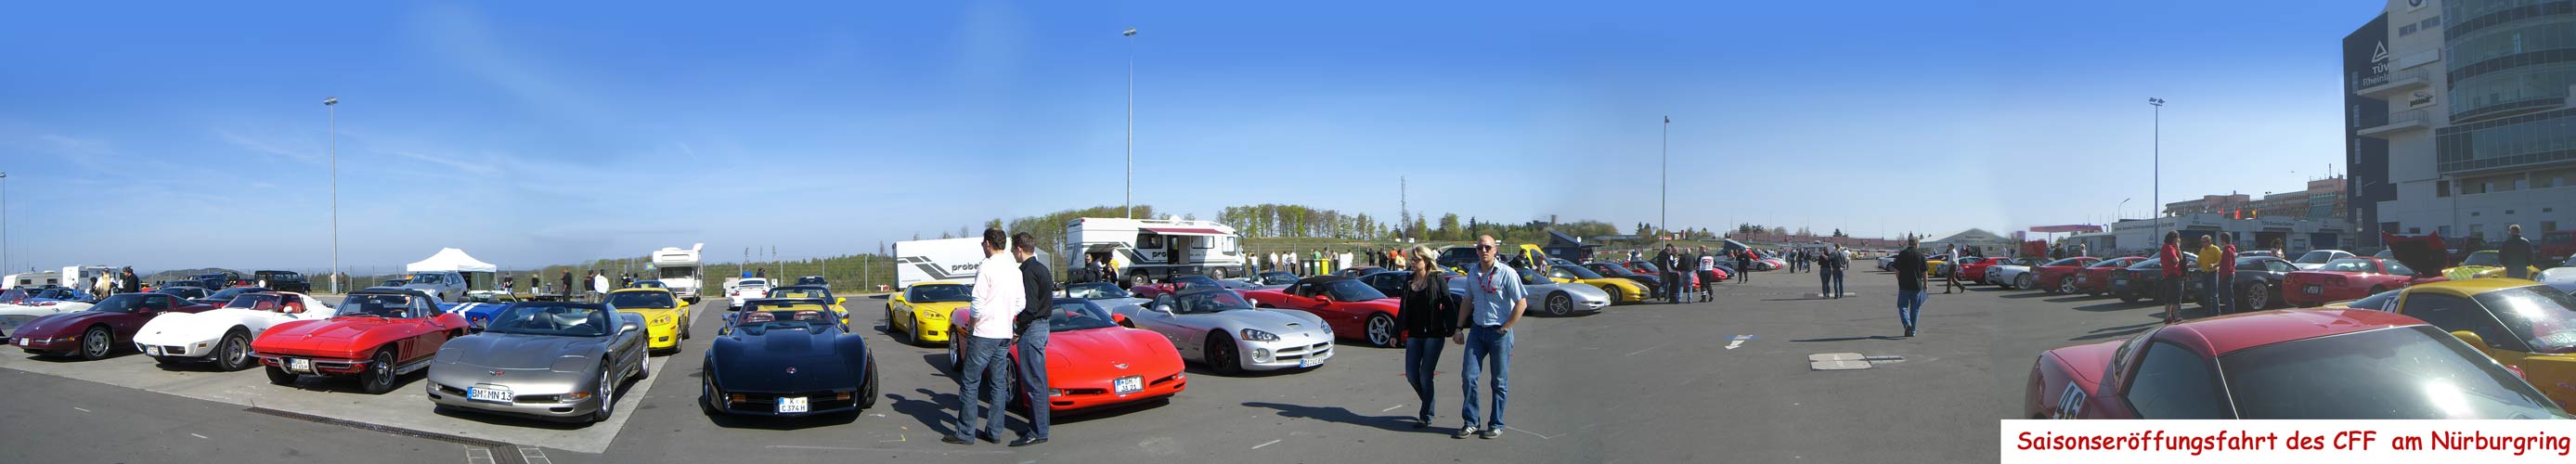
x,y
940,260
1146,250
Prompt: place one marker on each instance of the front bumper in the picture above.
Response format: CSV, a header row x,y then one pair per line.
x,y
548,406
930,329
170,348
664,336
1285,354
1097,393
321,366
766,403
47,345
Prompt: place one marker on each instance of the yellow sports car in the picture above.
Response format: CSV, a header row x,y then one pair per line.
x,y
2481,265
2520,323
1621,290
920,314
666,316
816,292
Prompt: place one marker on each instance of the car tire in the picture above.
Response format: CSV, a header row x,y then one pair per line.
x,y
1615,295
1558,304
956,364
97,343
607,393
1223,355
2130,297
2257,296
279,376
233,353
868,388
707,396
1381,330
2065,285
379,376
2024,282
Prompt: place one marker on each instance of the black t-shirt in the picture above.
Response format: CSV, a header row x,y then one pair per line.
x,y
1427,313
1909,270
2516,253
1040,285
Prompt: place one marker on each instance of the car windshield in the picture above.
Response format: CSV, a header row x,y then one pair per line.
x,y
2413,372
427,279
809,281
796,315
1650,267
1580,273
1605,269
1207,302
2483,258
1195,281
229,293
2378,301
562,320
2349,265
643,299
13,295
941,293
2316,257
379,305
785,292
1353,290
651,284
1096,291
1278,278
182,292
1070,315
2115,263
258,301
2544,317
123,303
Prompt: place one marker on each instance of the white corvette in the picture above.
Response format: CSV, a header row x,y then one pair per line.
x,y
223,335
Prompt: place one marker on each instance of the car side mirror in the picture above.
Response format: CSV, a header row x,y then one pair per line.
x,y
841,300
2472,338
1324,297
1161,308
626,327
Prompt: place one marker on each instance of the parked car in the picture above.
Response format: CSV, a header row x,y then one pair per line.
x,y
223,336
919,314
2482,264
546,360
2345,279
1654,283
1094,360
666,317
1176,283
2095,280
2282,364
1549,296
101,329
2562,277
1352,308
2318,258
745,289
787,357
2058,277
814,281
226,295
1619,290
378,335
2259,281
2146,280
284,281
2012,272
1973,270
1218,328
1276,278
2521,324
186,292
445,285
807,291
1359,271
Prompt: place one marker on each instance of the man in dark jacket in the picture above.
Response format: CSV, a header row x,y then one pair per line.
x,y
1672,280
1743,265
1033,323
2516,253
1909,284
567,284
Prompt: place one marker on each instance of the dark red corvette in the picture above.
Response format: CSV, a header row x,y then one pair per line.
x,y
2096,278
2284,364
2057,277
98,331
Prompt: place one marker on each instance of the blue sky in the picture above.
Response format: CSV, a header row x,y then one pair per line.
x,y
188,134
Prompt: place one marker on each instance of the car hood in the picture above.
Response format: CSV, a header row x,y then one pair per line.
x,y
515,351
1267,320
1095,354
179,327
764,362
338,328
2423,253
2563,279
942,308
63,324
1580,292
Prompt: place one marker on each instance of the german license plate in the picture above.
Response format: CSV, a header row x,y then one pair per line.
x,y
790,404
299,365
490,393
22,341
150,350
1306,362
1130,384
2316,290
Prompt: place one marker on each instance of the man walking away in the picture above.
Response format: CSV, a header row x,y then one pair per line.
x,y
1708,277
567,285
1743,266
2225,294
1427,313
1824,275
1495,302
2210,256
995,301
1034,323
2170,258
1910,291
1842,264
2516,253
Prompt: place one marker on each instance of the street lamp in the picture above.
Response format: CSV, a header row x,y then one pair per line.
x,y
2122,211
1664,196
1131,125
332,105
2159,165
4,226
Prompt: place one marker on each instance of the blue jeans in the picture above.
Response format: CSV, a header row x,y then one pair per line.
x,y
1033,377
1421,364
1838,282
1486,345
2212,296
1909,305
985,371
1825,279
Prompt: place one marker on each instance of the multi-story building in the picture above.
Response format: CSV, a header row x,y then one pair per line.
x,y
2322,200
2458,118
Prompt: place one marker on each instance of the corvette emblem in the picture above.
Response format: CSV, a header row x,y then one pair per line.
x,y
791,370
497,373
1119,365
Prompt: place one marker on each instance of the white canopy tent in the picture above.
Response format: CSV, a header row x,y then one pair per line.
x,y
451,259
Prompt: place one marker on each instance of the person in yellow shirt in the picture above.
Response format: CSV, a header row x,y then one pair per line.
x,y
2210,257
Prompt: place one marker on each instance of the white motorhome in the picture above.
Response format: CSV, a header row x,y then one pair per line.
x,y
1144,250
35,279
84,277
679,269
941,260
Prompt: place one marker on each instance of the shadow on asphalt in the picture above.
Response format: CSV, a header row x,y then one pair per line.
x,y
2071,298
452,412
934,410
1846,339
2028,295
1345,416
111,354
349,383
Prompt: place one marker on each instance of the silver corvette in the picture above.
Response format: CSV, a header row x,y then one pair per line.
x,y
550,360
1219,328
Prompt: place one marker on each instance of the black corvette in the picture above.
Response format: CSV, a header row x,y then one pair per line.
x,y
1654,283
787,357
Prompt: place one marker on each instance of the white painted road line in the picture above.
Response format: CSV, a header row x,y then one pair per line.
x,y
1272,442
81,410
478,455
847,448
1541,437
199,436
1650,348
1390,408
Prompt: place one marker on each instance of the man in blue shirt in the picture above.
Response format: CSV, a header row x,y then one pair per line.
x,y
1495,301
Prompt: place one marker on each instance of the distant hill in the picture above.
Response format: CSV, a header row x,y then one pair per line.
x,y
179,274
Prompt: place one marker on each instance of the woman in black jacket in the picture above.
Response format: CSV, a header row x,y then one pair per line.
x,y
1428,314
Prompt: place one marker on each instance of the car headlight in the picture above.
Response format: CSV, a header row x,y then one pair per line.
x,y
1259,336
1260,355
663,319
935,315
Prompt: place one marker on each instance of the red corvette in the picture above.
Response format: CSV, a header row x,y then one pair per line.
x,y
2096,278
2356,277
98,331
1976,271
1346,304
378,335
2056,277
1091,360
2284,364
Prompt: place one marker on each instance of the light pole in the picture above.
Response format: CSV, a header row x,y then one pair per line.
x,y
332,106
1131,125
2123,210
1663,197
2159,166
4,227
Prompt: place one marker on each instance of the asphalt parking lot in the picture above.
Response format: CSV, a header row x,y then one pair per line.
x,y
1634,383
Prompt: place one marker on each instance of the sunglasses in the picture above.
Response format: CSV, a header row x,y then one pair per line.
x,y
1484,247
